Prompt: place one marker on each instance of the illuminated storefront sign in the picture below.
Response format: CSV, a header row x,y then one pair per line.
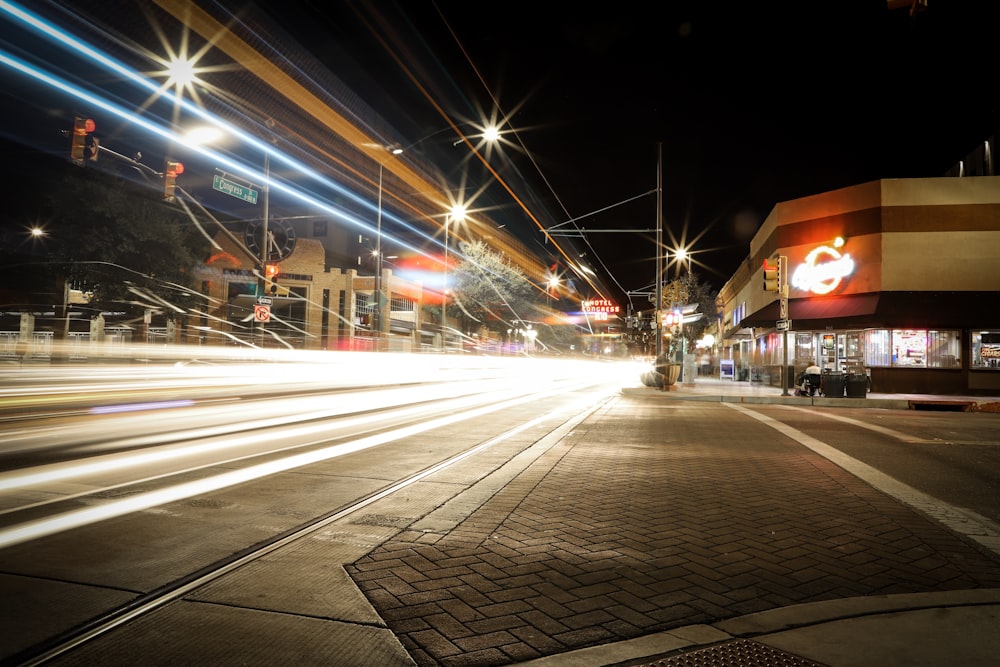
x,y
599,308
990,354
823,269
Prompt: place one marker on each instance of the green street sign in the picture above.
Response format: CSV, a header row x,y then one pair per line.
x,y
234,189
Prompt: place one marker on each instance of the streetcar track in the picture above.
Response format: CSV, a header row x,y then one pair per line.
x,y
166,593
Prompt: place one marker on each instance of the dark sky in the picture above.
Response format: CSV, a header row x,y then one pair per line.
x,y
753,103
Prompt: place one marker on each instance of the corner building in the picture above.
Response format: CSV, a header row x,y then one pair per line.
x,y
898,279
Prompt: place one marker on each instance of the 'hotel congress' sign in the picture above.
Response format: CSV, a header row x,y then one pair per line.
x,y
599,308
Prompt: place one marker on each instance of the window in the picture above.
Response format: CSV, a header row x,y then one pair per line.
x,y
400,304
877,348
925,349
363,304
986,349
943,349
913,348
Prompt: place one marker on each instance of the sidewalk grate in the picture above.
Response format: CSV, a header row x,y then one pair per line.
x,y
737,653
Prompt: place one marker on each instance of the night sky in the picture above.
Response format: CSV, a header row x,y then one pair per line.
x,y
750,104
753,103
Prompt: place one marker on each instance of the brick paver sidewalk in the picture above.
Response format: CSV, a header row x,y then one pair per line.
x,y
646,519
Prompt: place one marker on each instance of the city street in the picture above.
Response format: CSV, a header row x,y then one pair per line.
x,y
510,530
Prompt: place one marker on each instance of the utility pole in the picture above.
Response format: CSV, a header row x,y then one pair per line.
x,y
783,313
377,292
659,249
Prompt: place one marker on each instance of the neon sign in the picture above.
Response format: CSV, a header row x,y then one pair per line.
x,y
823,269
599,308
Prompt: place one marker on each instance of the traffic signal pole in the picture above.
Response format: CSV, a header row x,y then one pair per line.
x,y
783,311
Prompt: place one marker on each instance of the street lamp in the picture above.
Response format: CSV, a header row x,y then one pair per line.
x,y
553,284
377,292
458,214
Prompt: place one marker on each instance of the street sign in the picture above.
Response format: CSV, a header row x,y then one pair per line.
x,y
783,325
264,300
233,189
261,313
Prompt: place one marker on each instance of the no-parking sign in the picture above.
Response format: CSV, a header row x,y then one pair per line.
x,y
261,313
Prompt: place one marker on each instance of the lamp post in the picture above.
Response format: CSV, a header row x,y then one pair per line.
x,y
457,213
377,292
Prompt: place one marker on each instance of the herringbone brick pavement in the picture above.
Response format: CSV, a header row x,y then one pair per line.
x,y
644,520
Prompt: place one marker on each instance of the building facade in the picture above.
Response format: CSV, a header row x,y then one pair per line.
x,y
310,306
898,279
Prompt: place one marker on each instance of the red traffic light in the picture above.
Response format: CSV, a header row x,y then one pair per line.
x,y
170,171
79,150
83,126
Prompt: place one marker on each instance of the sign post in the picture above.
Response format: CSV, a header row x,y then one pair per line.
x,y
784,323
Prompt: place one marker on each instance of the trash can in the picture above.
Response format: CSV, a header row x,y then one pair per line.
x,y
857,385
832,385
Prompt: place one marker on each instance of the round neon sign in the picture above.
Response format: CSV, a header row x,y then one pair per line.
x,y
823,270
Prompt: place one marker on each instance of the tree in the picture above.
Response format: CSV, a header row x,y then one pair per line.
x,y
115,239
688,290
489,292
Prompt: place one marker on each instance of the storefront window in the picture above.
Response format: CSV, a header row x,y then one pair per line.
x,y
925,349
853,359
913,348
804,352
986,349
944,349
877,348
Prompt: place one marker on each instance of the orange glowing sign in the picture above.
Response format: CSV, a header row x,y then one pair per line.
x,y
823,270
604,306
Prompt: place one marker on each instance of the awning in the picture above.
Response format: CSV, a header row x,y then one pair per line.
x,y
892,310
816,312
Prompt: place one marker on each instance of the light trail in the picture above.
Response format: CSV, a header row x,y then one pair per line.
x,y
28,531
67,40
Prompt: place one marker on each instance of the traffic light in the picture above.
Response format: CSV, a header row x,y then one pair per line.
x,y
171,170
271,272
772,276
81,140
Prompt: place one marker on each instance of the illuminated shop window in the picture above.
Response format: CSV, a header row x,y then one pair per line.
x,y
986,349
925,349
912,348
878,349
944,349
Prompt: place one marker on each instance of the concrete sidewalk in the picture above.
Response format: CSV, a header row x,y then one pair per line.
x,y
715,389
807,564
915,630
